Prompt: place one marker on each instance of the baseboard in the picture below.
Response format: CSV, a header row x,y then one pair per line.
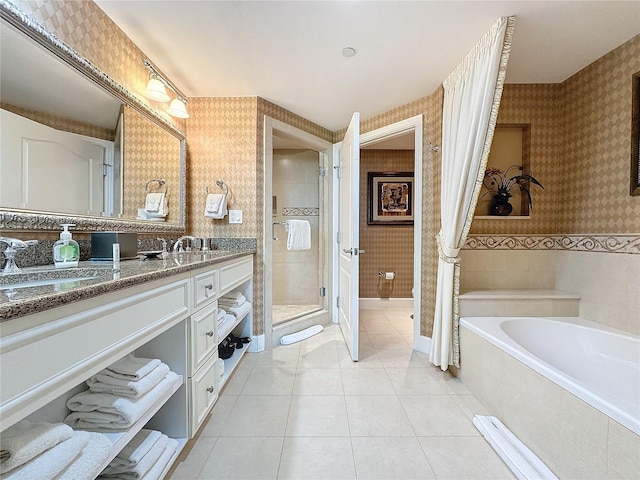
x,y
257,343
386,303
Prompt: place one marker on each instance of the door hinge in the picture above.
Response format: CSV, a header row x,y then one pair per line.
x,y
323,171
338,237
105,169
337,168
323,292
337,302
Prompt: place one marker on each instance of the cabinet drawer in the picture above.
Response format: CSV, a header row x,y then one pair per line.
x,y
206,287
204,335
235,273
204,392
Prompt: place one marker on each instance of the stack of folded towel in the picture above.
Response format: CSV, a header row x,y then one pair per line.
x,y
222,314
52,451
235,304
121,394
143,458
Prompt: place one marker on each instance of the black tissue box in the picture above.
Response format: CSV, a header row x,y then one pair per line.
x,y
102,245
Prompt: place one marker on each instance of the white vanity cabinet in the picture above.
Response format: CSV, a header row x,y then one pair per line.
x,y
204,335
46,357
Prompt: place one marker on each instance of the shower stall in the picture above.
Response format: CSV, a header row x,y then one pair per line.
x,y
297,191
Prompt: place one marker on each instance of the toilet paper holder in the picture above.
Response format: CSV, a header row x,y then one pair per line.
x,y
387,275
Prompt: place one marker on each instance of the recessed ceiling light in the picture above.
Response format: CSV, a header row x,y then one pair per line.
x,y
348,52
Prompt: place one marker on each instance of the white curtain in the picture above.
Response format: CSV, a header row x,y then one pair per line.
x,y
471,100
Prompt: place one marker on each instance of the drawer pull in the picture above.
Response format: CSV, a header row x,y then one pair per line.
x,y
209,333
211,389
209,286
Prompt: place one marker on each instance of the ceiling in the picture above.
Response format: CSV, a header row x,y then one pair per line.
x,y
290,52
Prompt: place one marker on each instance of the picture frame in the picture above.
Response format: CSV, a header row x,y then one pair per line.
x,y
390,197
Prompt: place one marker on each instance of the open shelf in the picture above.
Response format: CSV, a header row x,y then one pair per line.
x,y
231,363
228,325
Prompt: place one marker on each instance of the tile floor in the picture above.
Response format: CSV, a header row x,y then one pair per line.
x,y
283,313
306,411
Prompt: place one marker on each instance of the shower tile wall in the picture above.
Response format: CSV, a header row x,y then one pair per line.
x,y
388,248
296,274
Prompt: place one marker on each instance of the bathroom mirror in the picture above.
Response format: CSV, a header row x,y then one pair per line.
x,y
76,146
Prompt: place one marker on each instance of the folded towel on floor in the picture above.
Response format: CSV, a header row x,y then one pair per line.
x,y
131,368
91,459
216,205
25,440
106,412
156,470
298,235
51,462
102,383
140,469
228,302
137,448
241,310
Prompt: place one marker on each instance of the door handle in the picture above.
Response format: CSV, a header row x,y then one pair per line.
x,y
352,251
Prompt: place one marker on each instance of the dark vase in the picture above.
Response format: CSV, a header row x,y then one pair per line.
x,y
500,205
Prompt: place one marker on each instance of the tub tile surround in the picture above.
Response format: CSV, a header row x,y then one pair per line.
x,y
606,277
575,440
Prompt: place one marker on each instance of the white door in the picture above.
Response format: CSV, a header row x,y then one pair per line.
x,y
348,224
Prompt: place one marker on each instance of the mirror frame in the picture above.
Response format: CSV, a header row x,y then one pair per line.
x,y
15,219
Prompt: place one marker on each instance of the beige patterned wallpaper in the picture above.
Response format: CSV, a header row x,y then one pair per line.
x,y
142,137
580,146
388,248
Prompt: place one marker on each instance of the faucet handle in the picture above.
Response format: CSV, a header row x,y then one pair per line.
x,y
13,245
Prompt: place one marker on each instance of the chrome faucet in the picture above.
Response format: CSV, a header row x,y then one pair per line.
x,y
177,247
13,245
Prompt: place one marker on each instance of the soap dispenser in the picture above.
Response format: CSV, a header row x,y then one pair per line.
x,y
66,251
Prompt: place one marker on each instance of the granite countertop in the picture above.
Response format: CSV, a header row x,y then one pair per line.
x,y
90,279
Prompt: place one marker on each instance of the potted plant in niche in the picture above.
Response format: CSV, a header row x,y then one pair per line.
x,y
500,183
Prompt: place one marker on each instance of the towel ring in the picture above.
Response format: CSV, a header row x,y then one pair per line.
x,y
220,184
160,183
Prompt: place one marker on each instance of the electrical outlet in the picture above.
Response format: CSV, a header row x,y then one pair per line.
x,y
235,216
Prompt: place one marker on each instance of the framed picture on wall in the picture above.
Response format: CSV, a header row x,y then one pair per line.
x,y
390,198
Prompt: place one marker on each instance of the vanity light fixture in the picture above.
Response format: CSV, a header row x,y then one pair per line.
x,y
157,90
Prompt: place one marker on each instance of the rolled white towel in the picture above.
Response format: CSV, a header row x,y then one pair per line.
x,y
140,469
156,470
137,448
51,462
102,383
106,412
25,440
241,310
221,313
131,368
90,461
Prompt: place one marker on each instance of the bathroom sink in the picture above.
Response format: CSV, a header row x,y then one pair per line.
x,y
60,279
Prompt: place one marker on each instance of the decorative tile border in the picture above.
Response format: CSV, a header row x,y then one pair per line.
x,y
582,243
300,212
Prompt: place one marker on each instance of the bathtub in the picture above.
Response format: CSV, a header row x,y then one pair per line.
x,y
597,364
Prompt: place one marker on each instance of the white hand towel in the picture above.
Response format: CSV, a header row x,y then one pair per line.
x,y
91,460
216,205
221,314
299,235
156,471
137,448
155,204
25,440
51,462
140,469
131,368
240,311
102,383
229,303
103,411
